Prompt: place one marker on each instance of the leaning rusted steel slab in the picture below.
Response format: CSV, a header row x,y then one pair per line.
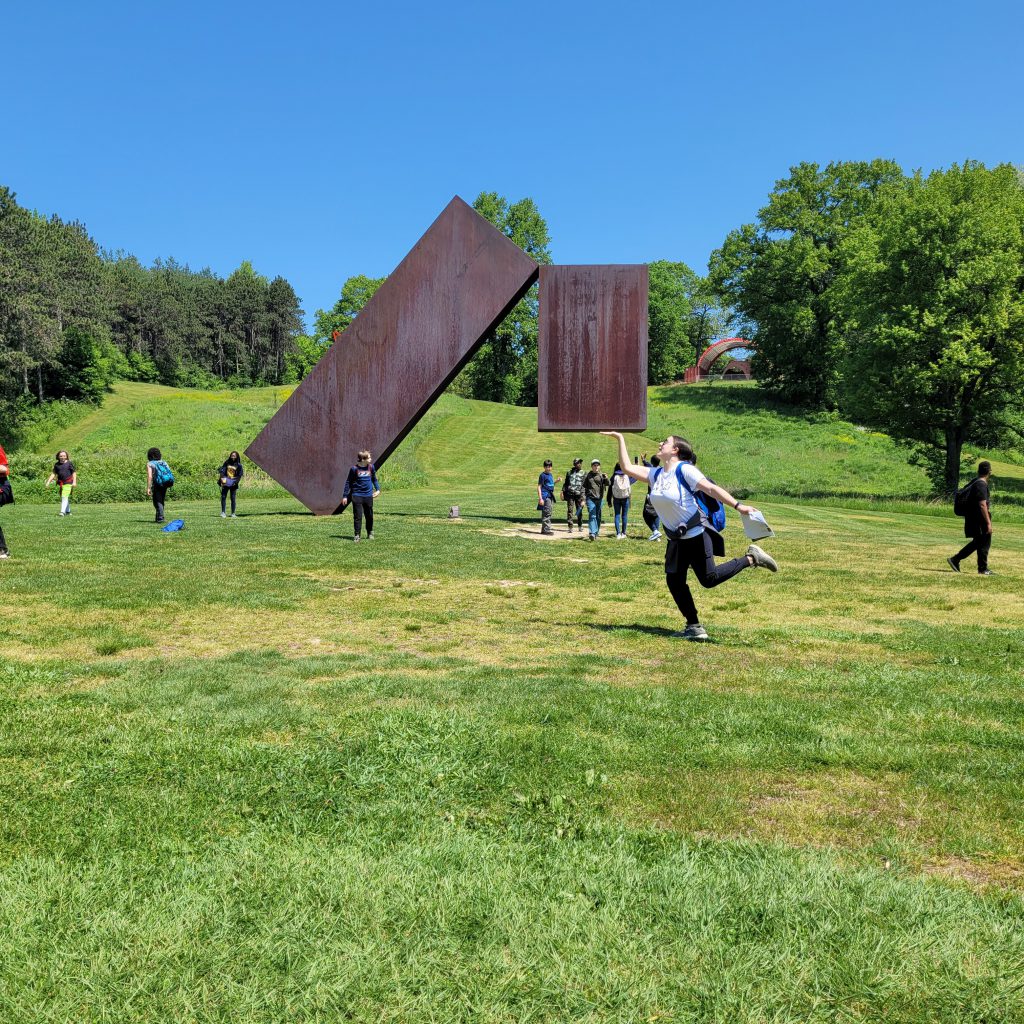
x,y
592,348
370,388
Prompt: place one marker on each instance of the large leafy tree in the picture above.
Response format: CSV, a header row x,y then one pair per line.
x,y
936,300
684,315
780,273
505,368
356,292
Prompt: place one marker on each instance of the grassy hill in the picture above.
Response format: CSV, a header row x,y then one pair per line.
x,y
745,441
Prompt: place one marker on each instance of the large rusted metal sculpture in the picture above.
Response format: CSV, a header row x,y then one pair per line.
x,y
592,348
424,324
371,387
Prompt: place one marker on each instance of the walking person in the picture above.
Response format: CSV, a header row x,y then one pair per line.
x,y
229,476
67,479
158,479
6,498
618,497
594,485
692,543
972,502
650,513
361,488
546,498
572,495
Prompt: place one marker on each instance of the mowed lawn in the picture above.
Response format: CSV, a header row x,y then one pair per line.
x,y
255,772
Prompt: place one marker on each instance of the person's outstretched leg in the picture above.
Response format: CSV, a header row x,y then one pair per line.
x,y
702,558
368,510
625,516
223,502
4,553
234,498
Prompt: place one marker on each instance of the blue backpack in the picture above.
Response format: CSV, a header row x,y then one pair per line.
x,y
162,475
711,509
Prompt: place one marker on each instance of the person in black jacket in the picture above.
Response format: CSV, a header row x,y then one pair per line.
x,y
228,476
977,523
361,488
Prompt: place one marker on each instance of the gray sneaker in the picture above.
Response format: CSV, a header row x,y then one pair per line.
x,y
953,564
696,632
762,560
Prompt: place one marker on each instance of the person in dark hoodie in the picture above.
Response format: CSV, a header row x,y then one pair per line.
x,y
361,488
228,476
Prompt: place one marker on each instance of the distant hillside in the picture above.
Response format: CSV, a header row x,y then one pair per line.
x,y
744,440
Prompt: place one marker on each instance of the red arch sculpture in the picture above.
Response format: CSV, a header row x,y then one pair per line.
x,y
711,354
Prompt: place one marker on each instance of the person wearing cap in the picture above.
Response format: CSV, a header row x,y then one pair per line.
x,y
546,498
692,542
594,485
572,494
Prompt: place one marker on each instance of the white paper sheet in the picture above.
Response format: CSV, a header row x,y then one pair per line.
x,y
755,527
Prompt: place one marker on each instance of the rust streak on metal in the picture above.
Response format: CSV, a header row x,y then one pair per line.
x,y
592,348
455,286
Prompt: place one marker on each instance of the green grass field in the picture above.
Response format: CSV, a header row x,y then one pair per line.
x,y
255,772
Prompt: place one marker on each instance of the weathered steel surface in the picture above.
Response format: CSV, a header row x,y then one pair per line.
x,y
456,285
592,348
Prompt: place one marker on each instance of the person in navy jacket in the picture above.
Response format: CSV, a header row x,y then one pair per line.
x,y
361,488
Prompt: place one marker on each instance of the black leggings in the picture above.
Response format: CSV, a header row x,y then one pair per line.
x,y
361,507
696,554
3,542
224,491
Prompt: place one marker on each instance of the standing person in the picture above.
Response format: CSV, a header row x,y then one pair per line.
x,y
229,475
594,484
691,541
650,513
67,479
572,494
361,488
977,515
6,498
546,498
618,496
158,479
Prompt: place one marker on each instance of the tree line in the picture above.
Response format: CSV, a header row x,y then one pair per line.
x,y
896,299
74,318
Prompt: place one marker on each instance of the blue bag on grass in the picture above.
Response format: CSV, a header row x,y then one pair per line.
x,y
174,526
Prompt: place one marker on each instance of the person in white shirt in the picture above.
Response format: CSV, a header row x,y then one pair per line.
x,y
691,541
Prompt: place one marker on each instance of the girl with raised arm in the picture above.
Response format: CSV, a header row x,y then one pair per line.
x,y
692,543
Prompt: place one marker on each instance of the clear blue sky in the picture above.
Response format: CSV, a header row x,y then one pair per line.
x,y
319,140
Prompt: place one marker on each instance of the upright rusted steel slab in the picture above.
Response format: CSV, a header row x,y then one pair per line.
x,y
371,387
592,348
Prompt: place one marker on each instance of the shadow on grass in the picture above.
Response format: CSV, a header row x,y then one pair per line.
x,y
733,400
633,627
